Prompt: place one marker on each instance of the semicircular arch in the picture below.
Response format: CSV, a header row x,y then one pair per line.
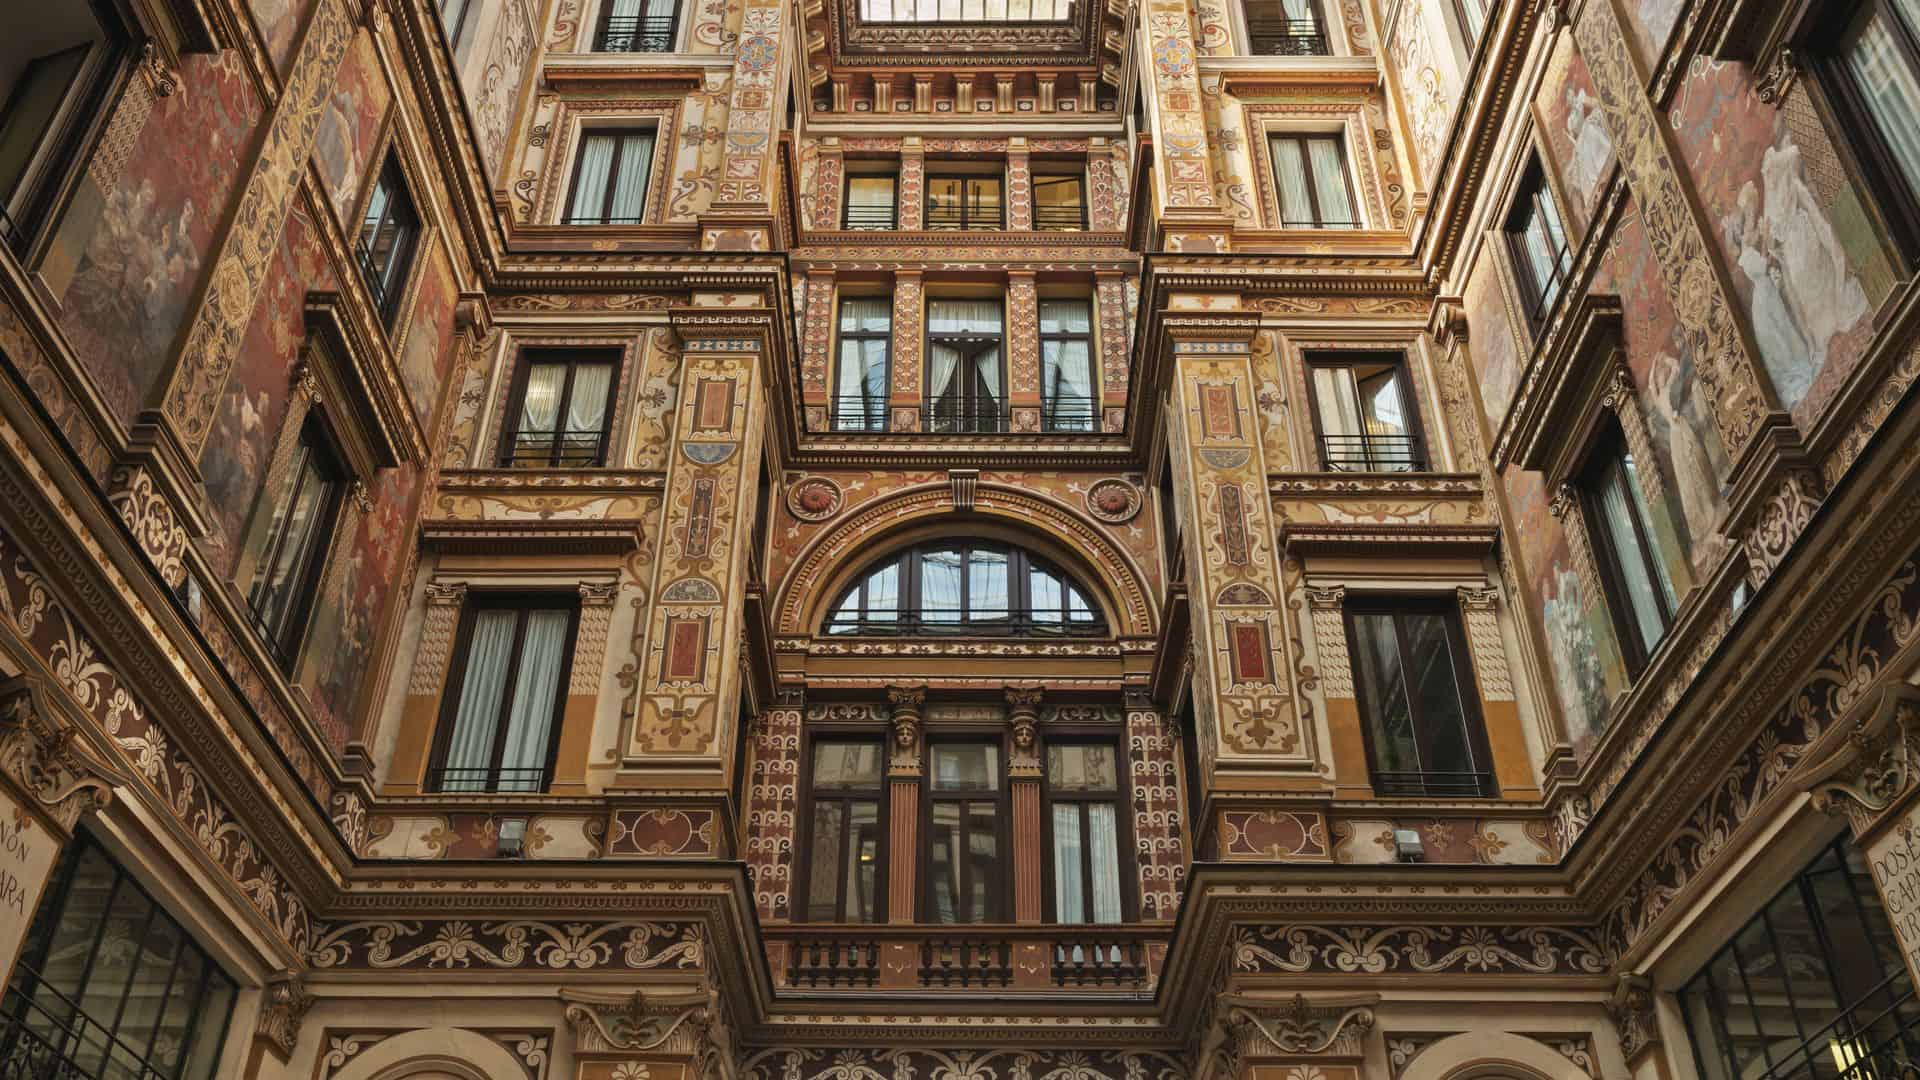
x,y
1490,1055
432,1053
1048,528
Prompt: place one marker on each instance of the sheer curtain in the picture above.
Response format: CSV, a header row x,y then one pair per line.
x,y
1298,10
1339,406
973,360
1617,514
587,412
1330,183
470,750
1887,82
530,720
539,414
590,187
1290,176
863,364
630,187
1068,888
1066,367
1103,840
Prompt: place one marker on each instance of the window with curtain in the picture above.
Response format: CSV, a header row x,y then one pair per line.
x,y
109,984
866,337
964,805
1364,413
1538,244
1418,705
58,65
848,838
964,378
298,536
1059,201
1066,365
965,202
1639,594
871,202
500,722
1310,178
974,588
632,26
610,179
1873,67
1286,28
560,409
1812,986
389,231
1083,810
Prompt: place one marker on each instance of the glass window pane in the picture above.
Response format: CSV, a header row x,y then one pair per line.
x,y
1103,852
1078,768
943,846
1617,515
1383,685
966,767
883,594
1069,885
863,861
1066,317
940,586
160,949
983,860
842,766
590,186
865,314
987,584
825,875
210,1024
1330,183
477,716
1290,176
1436,685
1047,595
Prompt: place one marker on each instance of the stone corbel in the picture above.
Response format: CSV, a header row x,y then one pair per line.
x,y
1323,1028
284,1005
1778,77
1631,1009
46,758
686,1024
1868,773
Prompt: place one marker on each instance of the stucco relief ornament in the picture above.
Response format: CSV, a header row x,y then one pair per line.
x,y
47,759
1302,1027
1874,767
814,499
1113,501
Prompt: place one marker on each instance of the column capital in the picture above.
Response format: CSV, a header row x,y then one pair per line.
x,y
907,701
1023,716
283,1006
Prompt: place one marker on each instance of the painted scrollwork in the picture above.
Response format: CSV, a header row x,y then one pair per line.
x,y
45,757
1300,1027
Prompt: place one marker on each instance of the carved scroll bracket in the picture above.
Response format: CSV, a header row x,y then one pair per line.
x,y
1324,1027
1870,772
1631,1008
283,1007
46,758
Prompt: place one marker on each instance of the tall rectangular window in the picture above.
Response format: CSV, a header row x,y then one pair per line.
x,y
109,984
633,26
1874,66
1420,711
847,840
1066,365
965,202
561,408
1310,175
963,367
1083,799
610,178
58,62
871,202
1286,28
388,233
298,536
1539,244
1059,202
964,808
1639,595
1364,414
499,724
1473,18
866,336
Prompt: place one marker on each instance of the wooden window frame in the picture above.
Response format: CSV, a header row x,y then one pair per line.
x,y
524,600
286,641
1893,197
966,181
1339,140
840,338
809,795
1608,450
1020,565
846,202
1532,198
517,396
999,890
1049,420
619,136
1468,32
1123,824
1466,684
388,283
1057,175
459,27
1403,377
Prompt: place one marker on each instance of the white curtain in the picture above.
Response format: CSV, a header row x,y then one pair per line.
x,y
1103,841
590,187
624,9
1290,175
1339,408
963,317
630,187
1616,518
1889,84
470,750
1298,10
1068,888
1066,367
870,192
530,720
1330,183
587,411
862,386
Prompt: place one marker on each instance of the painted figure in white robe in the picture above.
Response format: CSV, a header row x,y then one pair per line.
x,y
1816,276
1592,146
1675,397
1783,348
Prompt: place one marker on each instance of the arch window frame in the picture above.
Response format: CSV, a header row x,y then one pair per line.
x,y
910,614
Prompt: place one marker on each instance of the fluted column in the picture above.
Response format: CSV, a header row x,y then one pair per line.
x,y
1023,782
903,804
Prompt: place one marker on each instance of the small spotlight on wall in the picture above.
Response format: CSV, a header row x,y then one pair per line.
x,y
513,838
1406,845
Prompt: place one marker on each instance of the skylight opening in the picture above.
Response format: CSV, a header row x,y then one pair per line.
x,y
963,11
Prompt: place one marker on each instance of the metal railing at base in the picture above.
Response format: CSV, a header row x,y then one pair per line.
x,y
632,34
1371,453
529,780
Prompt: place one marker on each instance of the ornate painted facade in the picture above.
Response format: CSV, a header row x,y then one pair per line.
x,y
959,539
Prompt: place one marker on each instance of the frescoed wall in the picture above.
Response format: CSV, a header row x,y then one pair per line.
x,y
1586,667
1575,129
350,127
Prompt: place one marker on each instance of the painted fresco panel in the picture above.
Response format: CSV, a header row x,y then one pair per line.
x,y
279,22
1799,250
425,356
1587,672
1494,352
348,616
350,125
137,275
1652,22
1575,127
1429,84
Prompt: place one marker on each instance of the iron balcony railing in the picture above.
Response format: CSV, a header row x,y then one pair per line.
x,y
522,780
949,622
964,416
858,412
1061,218
375,276
1371,453
636,33
1066,413
954,216
1435,784
37,1044
567,450
599,219
870,217
1287,37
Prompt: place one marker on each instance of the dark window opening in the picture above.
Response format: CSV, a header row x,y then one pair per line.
x,y
1870,66
1538,244
561,409
634,26
1084,822
1059,202
872,202
1420,710
299,535
965,805
965,202
1066,366
58,65
968,588
964,376
610,178
1286,28
1365,416
847,830
866,344
388,234
1310,177
500,719
1639,595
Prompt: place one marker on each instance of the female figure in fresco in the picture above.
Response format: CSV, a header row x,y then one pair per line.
x,y
1674,395
1816,276
1592,147
1783,349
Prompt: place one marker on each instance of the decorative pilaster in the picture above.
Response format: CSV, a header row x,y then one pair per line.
x,y
1326,607
680,1032
1158,812
904,394
903,803
912,194
283,1006
816,352
1499,711
583,687
420,711
772,828
741,217
1110,314
1023,781
1019,185
1023,350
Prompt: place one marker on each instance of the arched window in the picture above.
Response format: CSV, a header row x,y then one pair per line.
x,y
969,587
